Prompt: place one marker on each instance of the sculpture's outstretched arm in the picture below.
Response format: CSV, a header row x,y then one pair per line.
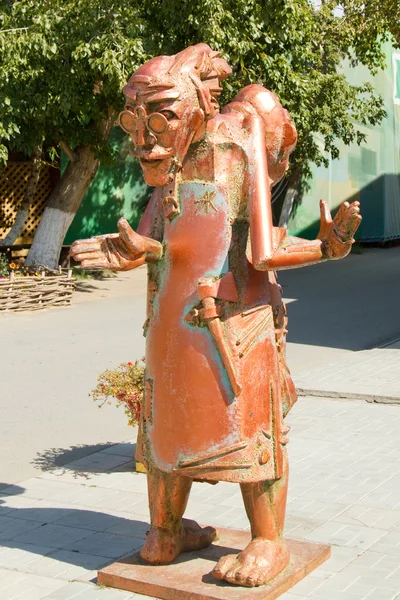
x,y
126,249
121,251
334,241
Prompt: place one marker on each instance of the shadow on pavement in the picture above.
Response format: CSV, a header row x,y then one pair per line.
x,y
83,538
349,304
17,489
84,286
77,536
78,462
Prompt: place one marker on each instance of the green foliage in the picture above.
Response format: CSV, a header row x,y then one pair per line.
x,y
126,385
20,270
62,66
293,48
4,266
63,62
373,19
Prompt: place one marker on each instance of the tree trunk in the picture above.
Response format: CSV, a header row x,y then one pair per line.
x,y
64,202
23,209
290,196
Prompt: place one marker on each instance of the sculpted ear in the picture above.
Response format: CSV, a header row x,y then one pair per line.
x,y
197,119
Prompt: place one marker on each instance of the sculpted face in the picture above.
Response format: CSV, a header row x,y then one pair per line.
x,y
161,119
168,101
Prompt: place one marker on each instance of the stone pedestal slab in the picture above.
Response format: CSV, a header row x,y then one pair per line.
x,y
189,577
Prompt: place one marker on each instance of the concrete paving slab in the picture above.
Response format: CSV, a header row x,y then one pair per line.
x,y
349,304
51,360
345,477
372,375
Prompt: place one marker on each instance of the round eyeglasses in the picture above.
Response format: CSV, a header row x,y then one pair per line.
x,y
128,121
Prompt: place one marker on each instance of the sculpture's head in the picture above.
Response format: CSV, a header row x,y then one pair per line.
x,y
168,102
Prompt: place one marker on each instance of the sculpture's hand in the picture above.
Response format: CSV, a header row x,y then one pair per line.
x,y
337,234
117,251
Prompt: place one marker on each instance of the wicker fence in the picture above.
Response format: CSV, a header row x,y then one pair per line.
x,y
35,292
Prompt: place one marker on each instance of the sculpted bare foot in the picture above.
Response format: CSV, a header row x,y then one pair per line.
x,y
162,546
258,563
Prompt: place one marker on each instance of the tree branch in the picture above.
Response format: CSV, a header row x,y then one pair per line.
x,y
70,153
14,30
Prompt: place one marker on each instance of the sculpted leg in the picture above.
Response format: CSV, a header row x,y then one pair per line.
x,y
266,555
170,534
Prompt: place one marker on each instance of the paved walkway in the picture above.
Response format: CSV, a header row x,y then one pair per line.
x,y
50,362
344,326
52,358
58,528
76,504
372,375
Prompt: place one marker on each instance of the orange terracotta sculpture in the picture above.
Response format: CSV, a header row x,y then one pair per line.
x,y
217,384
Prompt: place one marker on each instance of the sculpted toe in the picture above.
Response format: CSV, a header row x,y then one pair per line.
x,y
258,563
251,580
223,566
242,575
231,574
217,573
196,537
262,580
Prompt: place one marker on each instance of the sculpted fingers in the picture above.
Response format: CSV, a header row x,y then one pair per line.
x,y
84,246
134,242
354,210
326,220
124,228
325,212
347,210
85,256
355,224
117,251
341,213
355,217
347,220
99,263
93,252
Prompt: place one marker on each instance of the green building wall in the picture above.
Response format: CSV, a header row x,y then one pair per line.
x,y
369,173
116,191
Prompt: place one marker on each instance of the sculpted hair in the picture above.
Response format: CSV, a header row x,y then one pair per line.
x,y
206,69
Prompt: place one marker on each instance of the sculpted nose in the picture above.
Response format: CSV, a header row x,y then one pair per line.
x,y
140,132
144,137
140,129
151,139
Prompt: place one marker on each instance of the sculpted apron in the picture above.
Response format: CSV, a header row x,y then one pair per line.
x,y
201,418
